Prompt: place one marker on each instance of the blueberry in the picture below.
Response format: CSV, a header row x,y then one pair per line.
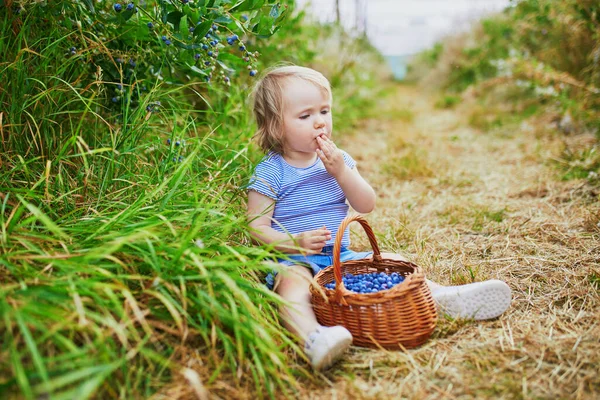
x,y
197,56
72,49
130,7
210,53
177,143
149,108
119,86
180,158
252,73
243,48
213,43
206,63
150,25
209,31
168,42
115,99
244,17
163,38
191,29
204,47
168,141
118,7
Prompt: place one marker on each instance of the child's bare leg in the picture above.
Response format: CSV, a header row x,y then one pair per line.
x,y
393,256
293,285
323,345
479,300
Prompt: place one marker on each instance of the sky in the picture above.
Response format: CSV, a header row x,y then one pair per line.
x,y
400,27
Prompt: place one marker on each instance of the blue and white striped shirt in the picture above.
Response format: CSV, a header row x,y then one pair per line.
x,y
305,198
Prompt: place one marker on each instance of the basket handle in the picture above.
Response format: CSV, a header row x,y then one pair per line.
x,y
337,247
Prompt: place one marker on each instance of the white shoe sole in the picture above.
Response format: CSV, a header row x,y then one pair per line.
x,y
479,301
334,354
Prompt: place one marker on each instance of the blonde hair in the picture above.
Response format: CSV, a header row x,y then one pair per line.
x,y
267,102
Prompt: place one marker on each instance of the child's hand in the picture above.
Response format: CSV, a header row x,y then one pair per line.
x,y
332,157
313,241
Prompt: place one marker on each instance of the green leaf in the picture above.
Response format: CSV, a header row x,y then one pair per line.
x,y
225,67
90,6
240,6
223,19
264,27
88,388
165,14
203,28
174,17
127,15
183,27
197,71
33,350
44,219
193,15
70,377
274,13
247,5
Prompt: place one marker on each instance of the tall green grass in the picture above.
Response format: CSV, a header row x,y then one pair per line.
x,y
112,259
122,231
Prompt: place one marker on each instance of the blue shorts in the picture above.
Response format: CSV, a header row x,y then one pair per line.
x,y
316,262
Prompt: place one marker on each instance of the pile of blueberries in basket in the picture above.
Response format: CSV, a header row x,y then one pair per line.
x,y
369,283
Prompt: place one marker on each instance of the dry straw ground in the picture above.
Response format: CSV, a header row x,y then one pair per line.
x,y
469,206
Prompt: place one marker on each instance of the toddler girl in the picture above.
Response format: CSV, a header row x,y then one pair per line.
x,y
300,193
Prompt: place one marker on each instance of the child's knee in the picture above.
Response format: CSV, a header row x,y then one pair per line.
x,y
294,275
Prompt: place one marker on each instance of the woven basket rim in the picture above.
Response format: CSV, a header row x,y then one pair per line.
x,y
344,296
378,297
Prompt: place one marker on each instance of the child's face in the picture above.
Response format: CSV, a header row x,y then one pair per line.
x,y
306,115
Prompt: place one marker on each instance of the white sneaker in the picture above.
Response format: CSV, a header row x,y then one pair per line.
x,y
326,345
480,300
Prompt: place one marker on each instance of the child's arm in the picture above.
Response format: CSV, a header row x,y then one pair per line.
x,y
260,215
359,193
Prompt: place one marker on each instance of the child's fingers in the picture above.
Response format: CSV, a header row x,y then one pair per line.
x,y
320,239
325,144
321,155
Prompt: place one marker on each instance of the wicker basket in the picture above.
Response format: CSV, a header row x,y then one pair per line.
x,y
401,317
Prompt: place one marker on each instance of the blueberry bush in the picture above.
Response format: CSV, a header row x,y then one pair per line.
x,y
126,270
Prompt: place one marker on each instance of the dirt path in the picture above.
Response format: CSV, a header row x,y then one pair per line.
x,y
469,206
